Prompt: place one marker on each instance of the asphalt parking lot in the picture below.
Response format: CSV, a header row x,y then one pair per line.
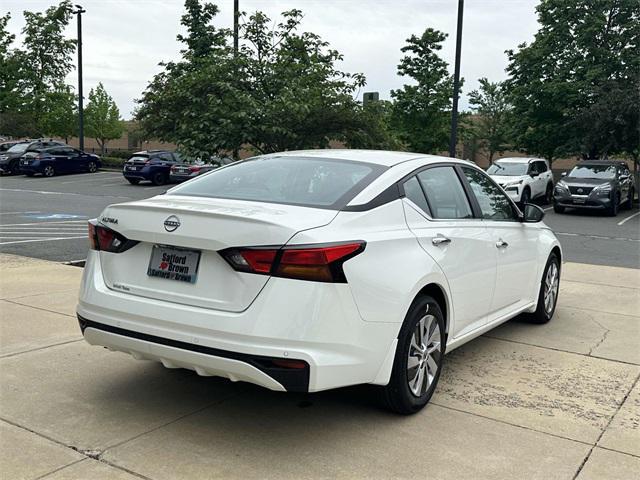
x,y
46,218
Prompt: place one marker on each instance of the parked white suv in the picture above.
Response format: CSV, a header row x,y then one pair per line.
x,y
523,178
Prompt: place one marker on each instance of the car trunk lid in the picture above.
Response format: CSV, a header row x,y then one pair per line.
x,y
198,228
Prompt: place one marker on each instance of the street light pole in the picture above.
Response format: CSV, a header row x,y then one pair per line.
x,y
456,84
236,14
79,12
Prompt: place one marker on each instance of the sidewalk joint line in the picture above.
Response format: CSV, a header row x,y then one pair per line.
x,y
624,399
559,350
14,354
55,470
512,424
39,308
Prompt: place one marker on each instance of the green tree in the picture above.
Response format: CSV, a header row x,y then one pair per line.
x,y
492,124
373,128
45,59
60,118
422,110
102,117
282,91
582,48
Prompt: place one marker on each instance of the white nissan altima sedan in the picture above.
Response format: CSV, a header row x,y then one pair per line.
x,y
305,271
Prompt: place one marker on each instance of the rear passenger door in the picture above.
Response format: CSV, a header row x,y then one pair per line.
x,y
439,214
515,243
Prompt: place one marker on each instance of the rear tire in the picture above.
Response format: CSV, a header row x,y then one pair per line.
x,y
629,203
14,168
159,179
548,294
548,196
419,357
49,171
613,209
133,181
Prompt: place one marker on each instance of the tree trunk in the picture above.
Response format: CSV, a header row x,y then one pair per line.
x,y
491,153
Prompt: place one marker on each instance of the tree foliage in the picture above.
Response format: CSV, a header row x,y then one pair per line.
x,y
281,91
34,97
561,82
421,112
102,117
492,124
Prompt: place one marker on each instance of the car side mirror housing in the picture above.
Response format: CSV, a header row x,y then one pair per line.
x,y
532,213
563,174
624,177
534,174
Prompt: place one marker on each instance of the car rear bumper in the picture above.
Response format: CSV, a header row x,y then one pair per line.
x,y
181,178
317,323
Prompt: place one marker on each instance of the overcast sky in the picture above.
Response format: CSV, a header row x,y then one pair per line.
x,y
124,40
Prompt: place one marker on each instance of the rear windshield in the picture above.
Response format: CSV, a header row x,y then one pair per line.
x,y
139,157
309,182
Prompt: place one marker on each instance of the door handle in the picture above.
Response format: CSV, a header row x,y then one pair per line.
x,y
440,240
501,244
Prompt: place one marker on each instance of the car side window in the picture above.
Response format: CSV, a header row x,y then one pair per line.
x,y
166,157
542,167
445,194
494,204
413,191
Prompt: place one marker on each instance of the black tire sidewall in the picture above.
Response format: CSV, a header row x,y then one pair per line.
x,y
403,400
159,179
541,315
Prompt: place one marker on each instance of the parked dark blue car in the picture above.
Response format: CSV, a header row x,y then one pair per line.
x,y
61,159
152,165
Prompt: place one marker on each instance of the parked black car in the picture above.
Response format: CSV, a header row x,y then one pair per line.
x,y
152,165
4,146
185,171
61,159
10,160
595,184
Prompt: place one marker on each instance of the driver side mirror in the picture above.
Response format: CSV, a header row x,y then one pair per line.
x,y
532,213
624,177
534,174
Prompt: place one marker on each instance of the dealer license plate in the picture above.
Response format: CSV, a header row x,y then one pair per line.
x,y
174,263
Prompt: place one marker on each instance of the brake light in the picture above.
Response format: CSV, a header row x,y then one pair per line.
x,y
319,263
194,169
107,240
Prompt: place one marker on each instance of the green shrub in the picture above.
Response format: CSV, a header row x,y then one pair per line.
x,y
113,162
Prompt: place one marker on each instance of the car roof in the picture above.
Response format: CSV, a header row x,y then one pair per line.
x,y
380,157
602,162
519,159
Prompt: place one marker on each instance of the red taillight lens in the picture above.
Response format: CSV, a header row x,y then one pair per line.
x,y
107,240
194,169
320,263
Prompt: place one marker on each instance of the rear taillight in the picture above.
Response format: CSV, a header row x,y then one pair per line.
x,y
319,263
174,168
107,240
194,169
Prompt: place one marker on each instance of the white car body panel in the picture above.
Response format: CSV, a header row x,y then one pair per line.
x,y
346,332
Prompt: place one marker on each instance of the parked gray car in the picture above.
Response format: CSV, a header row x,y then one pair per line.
x,y
595,184
10,159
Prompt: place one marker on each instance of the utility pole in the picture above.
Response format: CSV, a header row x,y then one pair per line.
x,y
456,84
236,15
79,13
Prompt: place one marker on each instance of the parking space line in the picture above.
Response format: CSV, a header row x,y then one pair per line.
x,y
43,223
598,237
18,213
42,240
548,208
38,232
628,218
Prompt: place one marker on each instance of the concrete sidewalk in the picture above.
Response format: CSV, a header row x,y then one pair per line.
x,y
557,401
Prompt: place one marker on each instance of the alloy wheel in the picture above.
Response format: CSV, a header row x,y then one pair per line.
x,y
92,167
49,171
551,284
425,352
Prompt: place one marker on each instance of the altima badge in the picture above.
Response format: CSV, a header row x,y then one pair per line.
x,y
171,223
